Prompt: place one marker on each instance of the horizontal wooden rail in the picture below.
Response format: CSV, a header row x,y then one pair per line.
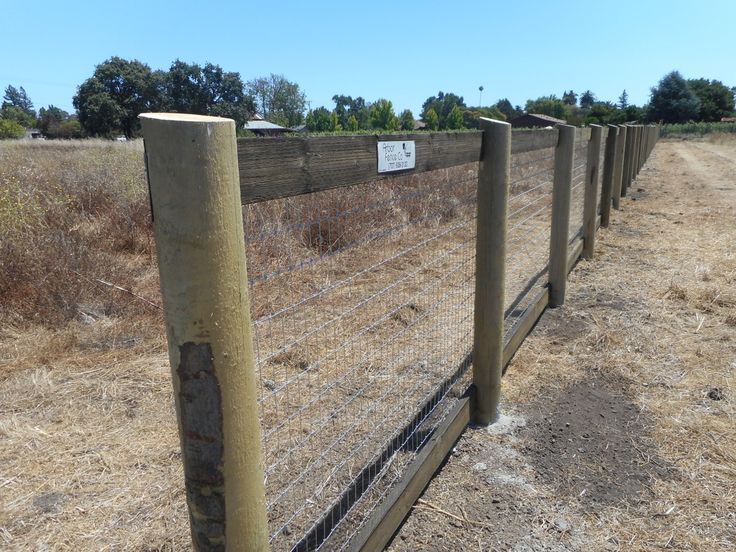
x,y
277,167
525,324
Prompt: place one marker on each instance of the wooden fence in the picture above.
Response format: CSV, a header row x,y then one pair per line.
x,y
199,177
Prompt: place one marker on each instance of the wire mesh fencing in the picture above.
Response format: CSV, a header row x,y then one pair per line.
x,y
577,191
528,234
362,308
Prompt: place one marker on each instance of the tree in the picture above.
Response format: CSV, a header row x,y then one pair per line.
x,y
672,101
17,97
406,120
278,99
472,115
431,119
322,120
383,116
549,105
10,129
570,98
442,104
208,90
623,100
352,124
505,107
587,99
716,99
118,91
18,107
346,107
454,119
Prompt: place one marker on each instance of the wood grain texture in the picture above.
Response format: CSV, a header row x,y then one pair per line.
x,y
276,167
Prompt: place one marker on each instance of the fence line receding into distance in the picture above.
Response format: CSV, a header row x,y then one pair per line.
x,y
372,346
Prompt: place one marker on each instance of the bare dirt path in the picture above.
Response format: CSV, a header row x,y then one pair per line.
x,y
619,426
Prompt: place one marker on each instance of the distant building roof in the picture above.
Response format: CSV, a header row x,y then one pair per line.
x,y
420,125
263,125
535,120
728,119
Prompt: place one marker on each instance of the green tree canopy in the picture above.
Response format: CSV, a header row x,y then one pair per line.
x,y
505,107
431,119
322,120
347,106
716,99
208,90
118,91
10,129
472,115
623,100
442,104
18,107
549,105
406,120
383,116
278,99
672,101
570,98
587,99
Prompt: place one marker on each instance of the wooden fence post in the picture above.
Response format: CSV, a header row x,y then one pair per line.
x,y
590,199
490,268
628,159
637,151
608,170
560,214
620,166
198,228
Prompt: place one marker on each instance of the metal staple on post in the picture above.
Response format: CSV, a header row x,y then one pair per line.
x,y
560,214
608,173
590,204
198,228
493,190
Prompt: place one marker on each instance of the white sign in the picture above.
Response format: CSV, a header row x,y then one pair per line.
x,y
396,156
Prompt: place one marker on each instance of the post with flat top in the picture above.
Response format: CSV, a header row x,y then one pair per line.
x,y
560,214
490,268
620,166
608,169
198,228
590,199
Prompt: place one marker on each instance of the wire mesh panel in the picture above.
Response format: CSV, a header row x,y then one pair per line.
x,y
577,192
362,307
529,220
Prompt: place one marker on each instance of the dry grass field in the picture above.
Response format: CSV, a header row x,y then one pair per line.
x,y
88,447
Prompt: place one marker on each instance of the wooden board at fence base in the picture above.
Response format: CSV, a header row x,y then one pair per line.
x,y
386,519
523,326
276,167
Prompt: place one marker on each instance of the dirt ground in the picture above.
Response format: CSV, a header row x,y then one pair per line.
x,y
618,419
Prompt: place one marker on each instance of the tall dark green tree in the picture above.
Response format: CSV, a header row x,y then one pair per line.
x,y
587,99
18,107
716,99
672,101
442,104
406,120
322,120
623,100
118,91
570,98
383,116
208,90
347,106
505,107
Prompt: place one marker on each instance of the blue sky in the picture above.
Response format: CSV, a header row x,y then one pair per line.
x,y
402,50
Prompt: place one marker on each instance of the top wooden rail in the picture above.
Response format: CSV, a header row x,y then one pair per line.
x,y
277,167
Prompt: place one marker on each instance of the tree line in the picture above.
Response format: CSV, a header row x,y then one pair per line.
x,y
119,90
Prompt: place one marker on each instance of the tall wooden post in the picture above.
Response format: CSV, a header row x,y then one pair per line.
x,y
560,214
608,170
628,160
198,227
490,268
637,151
620,166
590,199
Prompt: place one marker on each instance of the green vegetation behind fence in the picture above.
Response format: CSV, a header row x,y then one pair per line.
x,y
697,128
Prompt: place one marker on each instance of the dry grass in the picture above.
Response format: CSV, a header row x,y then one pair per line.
x,y
649,324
